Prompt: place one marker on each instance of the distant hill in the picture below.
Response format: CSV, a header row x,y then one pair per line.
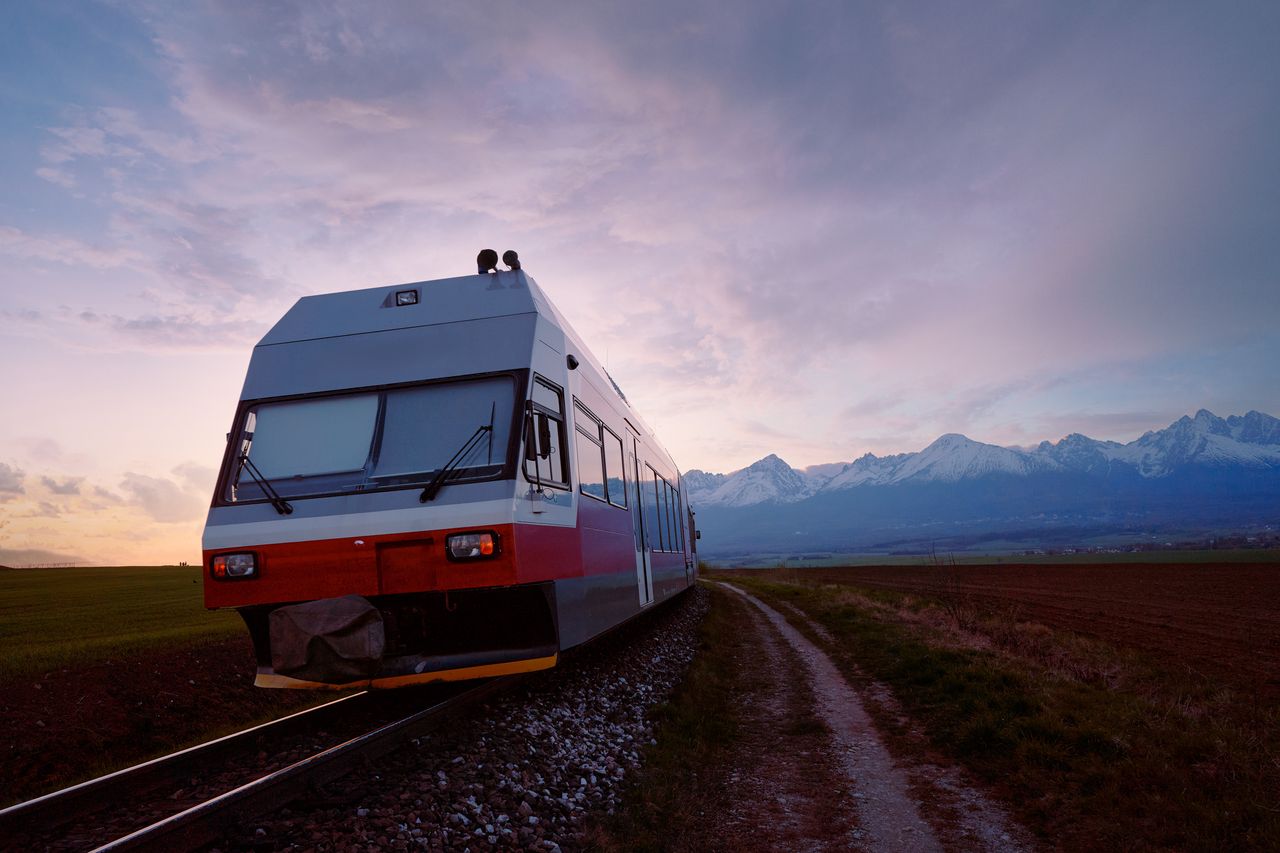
x,y
16,557
1201,473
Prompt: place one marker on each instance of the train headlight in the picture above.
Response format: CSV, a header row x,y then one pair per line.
x,y
480,545
229,567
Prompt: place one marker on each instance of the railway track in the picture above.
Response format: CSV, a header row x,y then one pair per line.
x,y
151,806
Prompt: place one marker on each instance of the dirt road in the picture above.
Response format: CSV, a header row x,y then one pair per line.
x,y
841,788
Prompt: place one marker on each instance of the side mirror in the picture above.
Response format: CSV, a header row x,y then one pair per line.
x,y
697,534
530,440
544,435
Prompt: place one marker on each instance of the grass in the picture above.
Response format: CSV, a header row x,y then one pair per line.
x,y
53,618
695,730
1096,748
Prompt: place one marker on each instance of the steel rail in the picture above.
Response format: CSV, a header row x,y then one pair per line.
x,y
58,807
211,820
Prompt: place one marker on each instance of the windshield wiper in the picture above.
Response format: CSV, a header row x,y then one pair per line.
x,y
438,482
282,506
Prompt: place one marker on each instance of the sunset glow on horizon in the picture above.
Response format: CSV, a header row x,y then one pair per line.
x,y
815,231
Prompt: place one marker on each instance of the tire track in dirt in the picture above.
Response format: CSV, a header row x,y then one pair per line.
x,y
889,814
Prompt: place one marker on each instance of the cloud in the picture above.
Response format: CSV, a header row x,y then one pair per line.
x,y
11,482
56,176
63,250
41,448
162,499
105,495
872,222
178,330
799,155
36,556
69,486
196,477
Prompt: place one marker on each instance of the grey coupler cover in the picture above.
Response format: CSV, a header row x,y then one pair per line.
x,y
333,641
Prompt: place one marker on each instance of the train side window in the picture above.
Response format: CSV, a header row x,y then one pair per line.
x,y
615,469
664,505
660,507
590,454
551,466
679,513
652,510
670,517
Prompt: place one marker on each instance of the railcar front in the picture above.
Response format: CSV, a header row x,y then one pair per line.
x,y
400,500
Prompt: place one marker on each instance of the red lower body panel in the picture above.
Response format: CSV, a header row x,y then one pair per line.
x,y
368,566
398,563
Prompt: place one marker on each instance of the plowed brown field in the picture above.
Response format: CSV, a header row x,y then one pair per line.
x,y
1219,620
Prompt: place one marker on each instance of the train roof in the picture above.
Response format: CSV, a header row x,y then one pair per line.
x,y
375,309
504,294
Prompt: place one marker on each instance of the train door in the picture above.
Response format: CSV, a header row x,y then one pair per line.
x,y
644,562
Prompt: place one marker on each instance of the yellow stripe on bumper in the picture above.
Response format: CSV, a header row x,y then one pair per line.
x,y
267,678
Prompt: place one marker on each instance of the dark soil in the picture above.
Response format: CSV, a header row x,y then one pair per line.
x,y
1221,621
76,723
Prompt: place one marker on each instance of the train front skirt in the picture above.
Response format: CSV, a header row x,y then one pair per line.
x,y
398,640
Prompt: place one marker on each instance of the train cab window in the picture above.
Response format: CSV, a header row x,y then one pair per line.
x,y
361,441
548,396
545,459
590,454
615,468
424,427
308,438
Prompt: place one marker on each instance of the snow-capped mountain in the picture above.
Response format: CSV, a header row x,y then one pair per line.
x,y
1199,476
769,479
1206,439
1250,441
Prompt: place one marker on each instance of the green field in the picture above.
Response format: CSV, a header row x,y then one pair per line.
x,y
50,618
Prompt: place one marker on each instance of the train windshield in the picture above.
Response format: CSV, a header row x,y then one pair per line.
x,y
373,440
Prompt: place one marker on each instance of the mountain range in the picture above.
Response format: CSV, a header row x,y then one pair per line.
x,y
1200,473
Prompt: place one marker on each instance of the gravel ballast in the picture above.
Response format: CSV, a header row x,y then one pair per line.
x,y
525,772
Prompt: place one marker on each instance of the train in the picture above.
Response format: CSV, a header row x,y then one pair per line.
x,y
437,481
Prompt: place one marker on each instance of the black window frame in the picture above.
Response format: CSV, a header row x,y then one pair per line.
x,y
591,419
658,542
533,407
677,513
519,380
582,419
623,474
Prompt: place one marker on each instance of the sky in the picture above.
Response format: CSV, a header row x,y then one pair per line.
x,y
814,229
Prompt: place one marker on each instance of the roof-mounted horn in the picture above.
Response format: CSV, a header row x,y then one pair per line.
x,y
511,259
486,261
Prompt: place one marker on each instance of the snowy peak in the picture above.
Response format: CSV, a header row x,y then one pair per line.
x,y
955,457
768,479
1255,428
1250,441
700,481
1079,453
